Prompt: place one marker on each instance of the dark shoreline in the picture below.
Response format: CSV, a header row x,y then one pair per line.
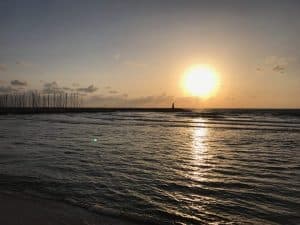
x,y
46,110
29,210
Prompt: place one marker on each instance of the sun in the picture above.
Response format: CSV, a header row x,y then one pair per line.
x,y
200,81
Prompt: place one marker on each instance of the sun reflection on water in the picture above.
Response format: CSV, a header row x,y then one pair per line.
x,y
198,142
199,150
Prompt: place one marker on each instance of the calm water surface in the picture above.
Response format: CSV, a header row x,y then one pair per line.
x,y
199,167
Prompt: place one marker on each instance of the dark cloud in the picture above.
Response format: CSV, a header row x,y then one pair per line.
x,y
279,64
24,64
75,85
279,68
113,92
3,67
89,89
18,83
52,87
67,89
19,62
6,89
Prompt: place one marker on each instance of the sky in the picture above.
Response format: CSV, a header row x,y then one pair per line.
x,y
134,53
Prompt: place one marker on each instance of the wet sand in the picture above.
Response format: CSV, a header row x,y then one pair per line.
x,y
17,209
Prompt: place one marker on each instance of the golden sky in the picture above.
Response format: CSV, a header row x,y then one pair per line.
x,y
136,53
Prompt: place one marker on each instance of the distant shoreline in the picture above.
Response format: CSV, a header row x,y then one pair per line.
x,y
46,110
52,110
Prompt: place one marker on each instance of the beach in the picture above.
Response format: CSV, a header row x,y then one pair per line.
x,y
17,209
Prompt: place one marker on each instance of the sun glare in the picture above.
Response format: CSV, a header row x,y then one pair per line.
x,y
200,81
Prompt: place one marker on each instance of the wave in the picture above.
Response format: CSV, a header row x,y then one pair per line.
x,y
225,123
149,168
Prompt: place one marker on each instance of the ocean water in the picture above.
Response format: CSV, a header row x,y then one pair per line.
x,y
196,167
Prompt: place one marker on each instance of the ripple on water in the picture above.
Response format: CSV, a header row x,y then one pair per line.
x,y
218,166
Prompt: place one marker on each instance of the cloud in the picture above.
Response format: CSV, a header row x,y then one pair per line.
x,y
279,64
75,85
67,89
279,68
52,87
113,92
3,67
122,100
24,64
18,83
89,89
6,89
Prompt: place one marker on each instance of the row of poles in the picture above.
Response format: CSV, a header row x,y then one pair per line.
x,y
39,100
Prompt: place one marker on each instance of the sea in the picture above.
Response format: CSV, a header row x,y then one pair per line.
x,y
212,166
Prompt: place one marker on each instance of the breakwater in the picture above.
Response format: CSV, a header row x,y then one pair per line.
x,y
30,110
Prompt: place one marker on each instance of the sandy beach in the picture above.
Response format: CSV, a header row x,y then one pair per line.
x,y
26,210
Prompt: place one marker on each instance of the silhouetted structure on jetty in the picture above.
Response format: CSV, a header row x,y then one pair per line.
x,y
37,101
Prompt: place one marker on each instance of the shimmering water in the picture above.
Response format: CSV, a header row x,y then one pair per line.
x,y
212,166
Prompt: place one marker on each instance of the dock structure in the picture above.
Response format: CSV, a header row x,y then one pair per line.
x,y
39,100
45,110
